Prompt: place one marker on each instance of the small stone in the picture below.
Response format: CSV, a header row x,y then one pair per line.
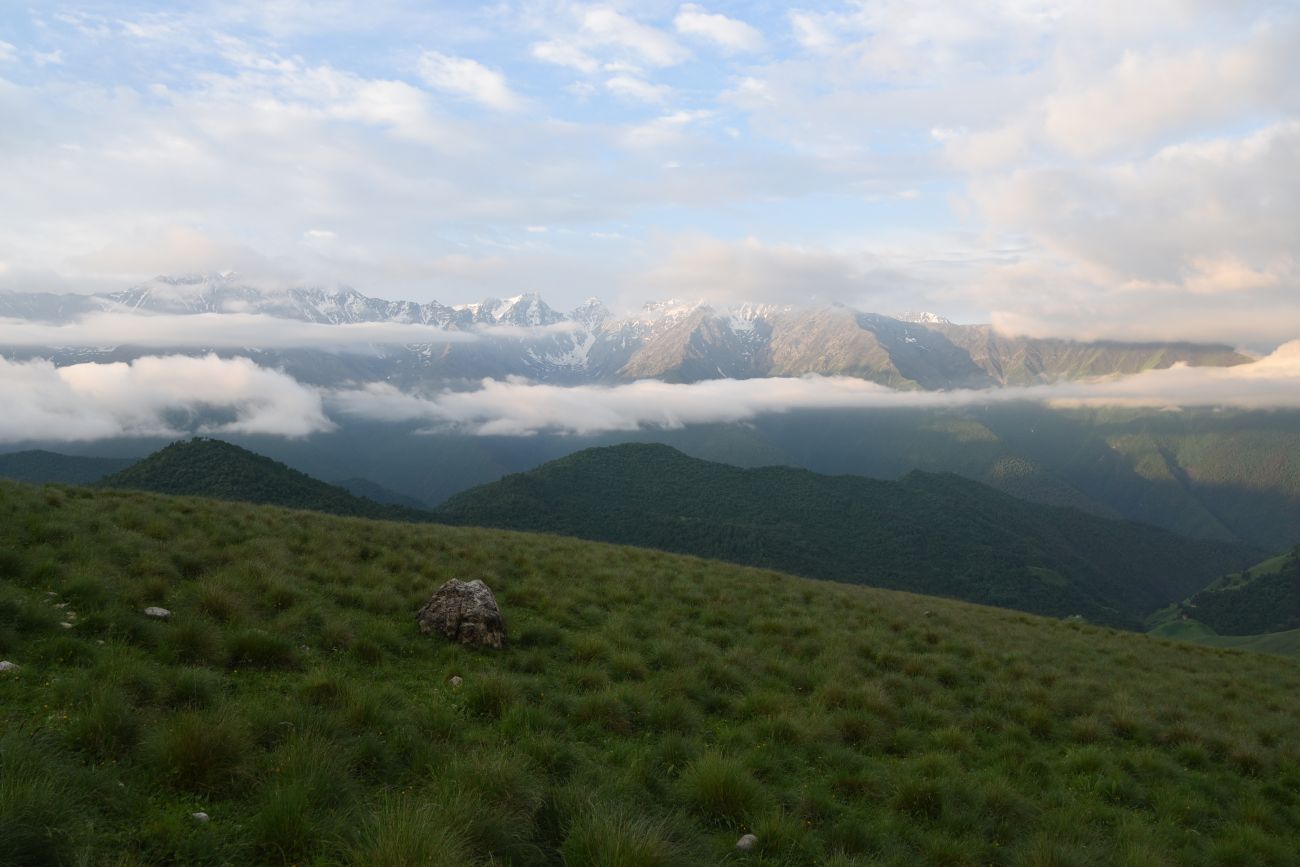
x,y
456,681
747,843
66,625
155,611
199,817
6,665
99,641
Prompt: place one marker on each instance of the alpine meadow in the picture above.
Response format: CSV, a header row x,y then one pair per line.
x,y
587,433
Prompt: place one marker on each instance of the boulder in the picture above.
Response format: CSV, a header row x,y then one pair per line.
x,y
464,612
747,843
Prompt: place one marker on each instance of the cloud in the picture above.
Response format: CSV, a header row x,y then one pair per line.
x,y
637,89
153,397
751,270
220,331
608,27
521,408
565,54
729,34
1200,235
468,78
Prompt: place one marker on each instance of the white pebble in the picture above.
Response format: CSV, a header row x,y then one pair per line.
x,y
155,611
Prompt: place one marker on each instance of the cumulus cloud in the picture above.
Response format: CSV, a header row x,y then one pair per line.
x,y
521,408
729,34
638,89
155,396
468,78
220,331
602,26
751,270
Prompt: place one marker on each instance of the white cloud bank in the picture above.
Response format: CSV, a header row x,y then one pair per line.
x,y
218,331
171,396
520,408
156,396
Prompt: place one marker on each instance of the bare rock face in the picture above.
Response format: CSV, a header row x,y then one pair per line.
x,y
465,612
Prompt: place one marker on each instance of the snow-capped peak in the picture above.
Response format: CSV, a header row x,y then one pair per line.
x,y
924,317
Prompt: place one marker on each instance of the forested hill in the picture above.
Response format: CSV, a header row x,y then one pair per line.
x,y
1264,599
926,533
212,468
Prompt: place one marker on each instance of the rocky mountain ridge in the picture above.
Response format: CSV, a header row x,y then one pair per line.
x,y
674,341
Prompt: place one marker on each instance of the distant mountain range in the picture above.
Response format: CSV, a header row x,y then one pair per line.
x,y
936,534
675,341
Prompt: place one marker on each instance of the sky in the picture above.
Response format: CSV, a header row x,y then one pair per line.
x,y
1083,169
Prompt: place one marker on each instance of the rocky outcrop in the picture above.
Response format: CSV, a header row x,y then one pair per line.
x,y
465,612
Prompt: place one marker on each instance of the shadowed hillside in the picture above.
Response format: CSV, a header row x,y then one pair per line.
x,y
212,468
935,534
38,466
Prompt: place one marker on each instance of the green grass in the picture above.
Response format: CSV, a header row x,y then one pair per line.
x,y
650,709
1285,643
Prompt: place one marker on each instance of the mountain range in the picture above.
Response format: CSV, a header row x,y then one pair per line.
x,y
674,341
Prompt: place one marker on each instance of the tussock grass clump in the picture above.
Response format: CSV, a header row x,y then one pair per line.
x,y
256,648
720,789
202,752
649,709
603,835
407,830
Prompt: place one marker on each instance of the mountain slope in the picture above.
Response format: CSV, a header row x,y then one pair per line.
x,y
37,466
934,534
648,703
211,468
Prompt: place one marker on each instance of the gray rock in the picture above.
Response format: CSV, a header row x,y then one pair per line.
x,y
155,611
199,817
747,843
66,625
6,665
465,612
456,681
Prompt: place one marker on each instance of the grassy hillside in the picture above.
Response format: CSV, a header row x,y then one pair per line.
x,y
40,467
1285,643
934,534
649,710
212,468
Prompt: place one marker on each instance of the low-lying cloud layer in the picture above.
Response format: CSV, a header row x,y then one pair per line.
x,y
156,396
176,395
218,331
519,408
